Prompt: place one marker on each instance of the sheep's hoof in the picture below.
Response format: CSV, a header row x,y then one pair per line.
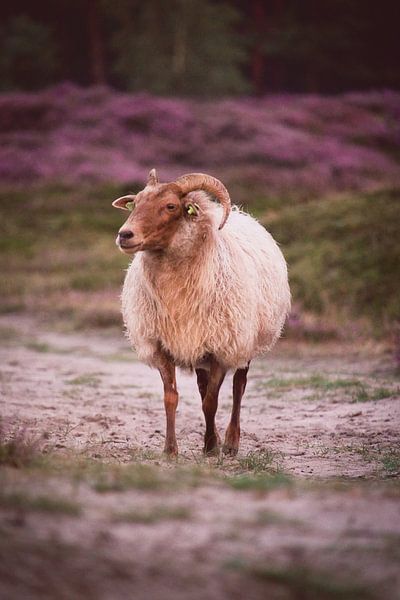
x,y
212,445
171,449
230,449
231,444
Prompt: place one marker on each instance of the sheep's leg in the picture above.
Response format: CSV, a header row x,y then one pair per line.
x,y
232,435
202,382
166,368
210,405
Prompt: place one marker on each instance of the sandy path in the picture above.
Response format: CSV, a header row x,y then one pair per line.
x,y
87,391
326,413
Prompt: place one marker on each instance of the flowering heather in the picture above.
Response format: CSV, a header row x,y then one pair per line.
x,y
309,143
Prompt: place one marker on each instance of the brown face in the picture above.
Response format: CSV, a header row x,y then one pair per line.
x,y
153,221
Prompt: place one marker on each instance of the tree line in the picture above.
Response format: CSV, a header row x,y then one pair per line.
x,y
201,47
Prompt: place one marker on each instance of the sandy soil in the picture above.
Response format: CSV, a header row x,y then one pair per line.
x,y
328,415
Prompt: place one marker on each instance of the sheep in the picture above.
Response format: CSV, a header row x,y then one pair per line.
x,y
204,292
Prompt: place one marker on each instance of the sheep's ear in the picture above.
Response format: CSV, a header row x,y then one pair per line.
x,y
124,202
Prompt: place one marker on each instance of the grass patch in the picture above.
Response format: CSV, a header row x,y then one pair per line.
x,y
81,260
259,482
87,380
364,394
120,478
38,346
154,515
317,381
358,390
347,263
18,448
388,458
269,517
259,461
349,258
46,504
391,461
303,583
144,476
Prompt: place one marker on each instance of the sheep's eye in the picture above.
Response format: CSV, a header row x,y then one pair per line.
x,y
171,207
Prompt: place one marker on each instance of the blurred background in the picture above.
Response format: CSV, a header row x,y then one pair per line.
x,y
294,105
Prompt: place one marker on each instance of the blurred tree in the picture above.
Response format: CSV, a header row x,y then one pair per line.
x,y
321,46
258,56
96,42
28,54
202,47
183,46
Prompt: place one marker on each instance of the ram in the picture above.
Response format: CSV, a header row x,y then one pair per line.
x,y
204,292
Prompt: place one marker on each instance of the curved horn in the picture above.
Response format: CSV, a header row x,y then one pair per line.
x,y
123,201
153,179
200,181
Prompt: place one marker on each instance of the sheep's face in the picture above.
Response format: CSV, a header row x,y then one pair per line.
x,y
156,215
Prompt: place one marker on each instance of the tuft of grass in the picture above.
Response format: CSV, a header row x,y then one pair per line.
x,y
154,515
18,448
88,380
47,504
259,461
363,394
381,393
391,461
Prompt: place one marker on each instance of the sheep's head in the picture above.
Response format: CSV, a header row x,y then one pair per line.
x,y
158,210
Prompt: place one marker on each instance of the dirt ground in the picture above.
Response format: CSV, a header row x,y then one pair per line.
x,y
309,508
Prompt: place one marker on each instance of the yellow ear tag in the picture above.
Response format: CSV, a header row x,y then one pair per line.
x,y
192,209
130,205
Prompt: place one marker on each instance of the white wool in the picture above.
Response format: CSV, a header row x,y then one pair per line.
x,y
226,295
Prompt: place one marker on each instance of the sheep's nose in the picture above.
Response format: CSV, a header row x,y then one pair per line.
x,y
125,234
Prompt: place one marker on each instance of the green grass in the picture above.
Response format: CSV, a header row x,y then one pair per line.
x,y
260,482
270,517
120,478
317,381
302,583
18,448
153,515
365,394
58,254
344,254
355,389
391,461
59,239
40,503
39,346
87,380
259,461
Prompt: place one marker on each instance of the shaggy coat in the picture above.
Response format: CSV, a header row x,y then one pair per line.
x,y
221,293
